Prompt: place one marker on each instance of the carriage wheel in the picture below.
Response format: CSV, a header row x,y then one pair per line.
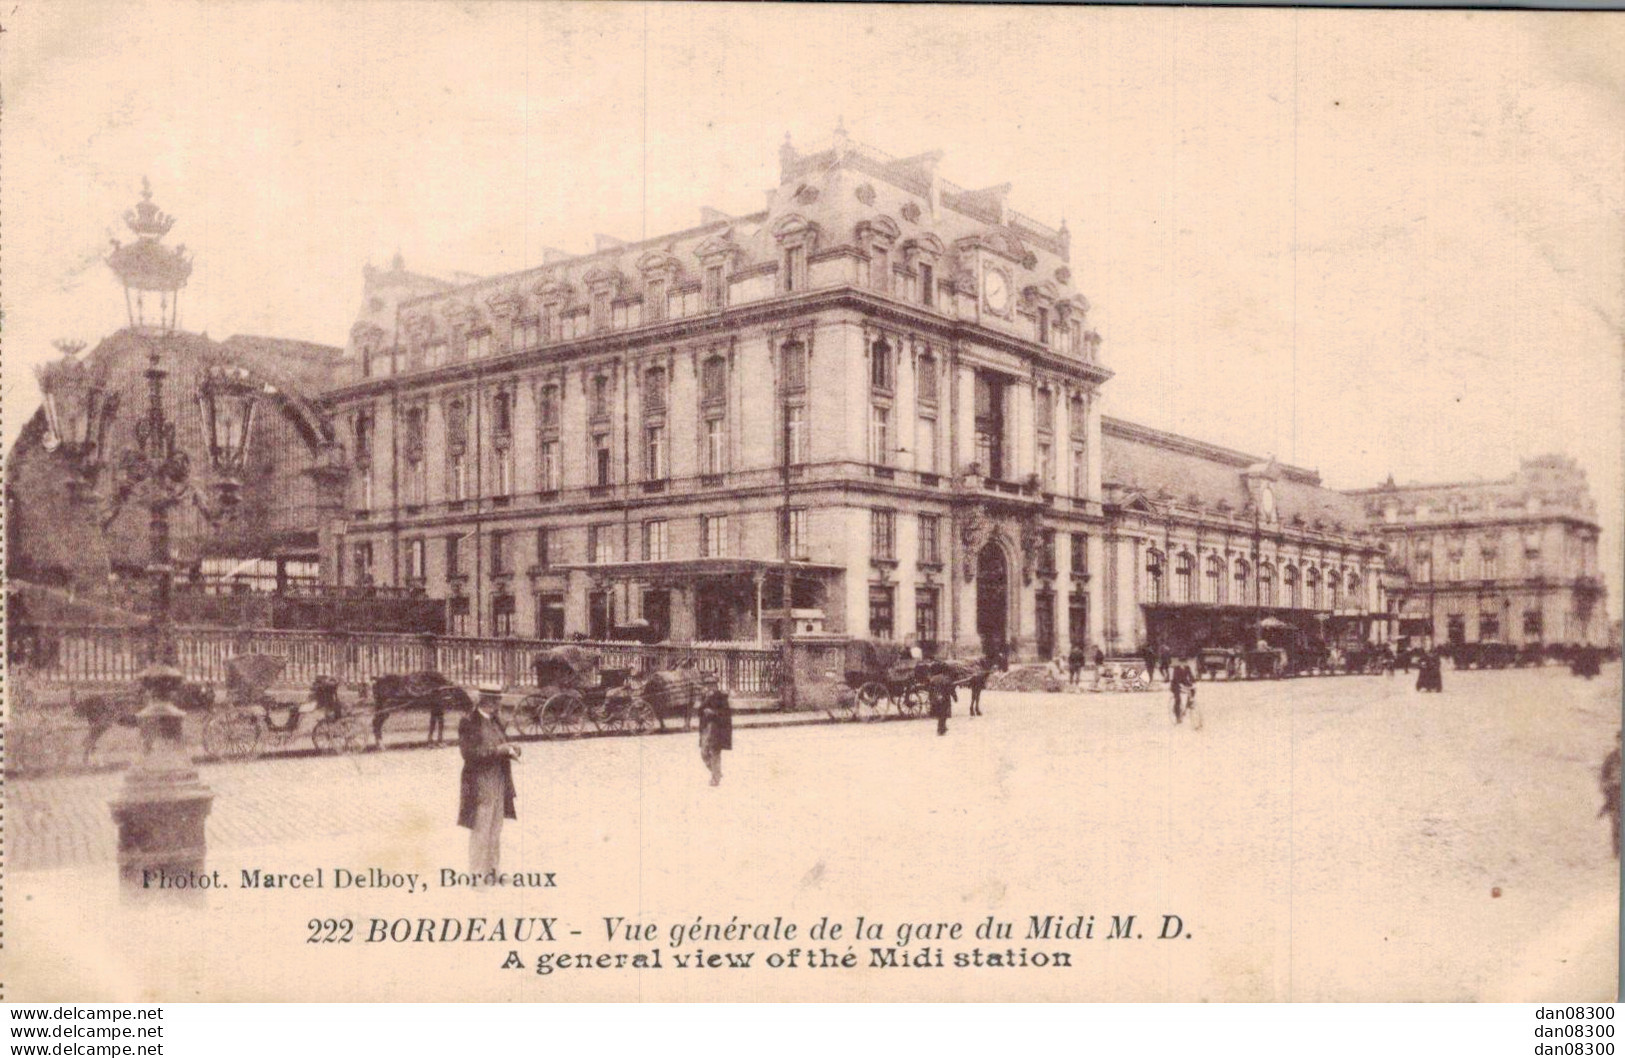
x,y
352,734
564,715
845,705
232,736
872,701
325,737
639,717
912,701
528,716
1139,683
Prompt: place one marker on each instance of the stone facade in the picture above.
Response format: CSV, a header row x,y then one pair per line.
x,y
1509,561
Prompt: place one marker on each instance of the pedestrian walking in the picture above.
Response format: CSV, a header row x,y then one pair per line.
x,y
1608,779
1074,663
942,692
978,682
1100,657
1182,683
1163,662
1429,672
1148,654
487,790
716,731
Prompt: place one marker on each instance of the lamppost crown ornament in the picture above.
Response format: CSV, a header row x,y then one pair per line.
x,y
146,267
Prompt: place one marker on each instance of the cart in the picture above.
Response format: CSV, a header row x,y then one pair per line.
x,y
252,720
885,679
673,694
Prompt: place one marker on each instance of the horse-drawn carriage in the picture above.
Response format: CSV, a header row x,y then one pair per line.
x,y
883,678
575,696
252,720
426,691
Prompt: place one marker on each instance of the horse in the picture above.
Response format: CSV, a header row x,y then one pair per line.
x,y
419,690
102,711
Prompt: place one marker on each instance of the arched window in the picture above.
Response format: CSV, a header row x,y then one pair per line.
x,y
1215,579
1266,584
1289,577
1311,580
1154,566
1244,584
1184,575
1354,589
880,365
1334,589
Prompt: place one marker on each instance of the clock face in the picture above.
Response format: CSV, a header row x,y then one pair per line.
x,y
997,289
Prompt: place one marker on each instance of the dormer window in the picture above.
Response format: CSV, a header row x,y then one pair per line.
x,y
928,285
600,310
797,239
1043,326
477,344
654,300
527,334
795,269
716,291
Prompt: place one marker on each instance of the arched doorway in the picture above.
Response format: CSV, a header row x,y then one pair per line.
x,y
992,599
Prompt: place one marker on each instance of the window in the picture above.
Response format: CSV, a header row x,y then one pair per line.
x,y
626,314
599,544
1080,553
544,547
477,344
1424,566
793,377
456,451
434,354
456,477
1077,419
930,539
417,477
926,442
600,310
457,614
1489,627
550,616
499,553
883,534
1215,579
502,413
1046,466
880,435
601,459
654,453
926,378
1044,407
416,563
654,540
795,425
551,324
1532,629
1354,590
547,466
654,300
795,268
1046,553
454,566
880,365
880,270
716,445
527,334
926,620
1080,471
547,408
1266,584
1454,568
363,563
363,439
714,536
1311,580
1492,565
716,290
928,285
654,391
714,381
502,608
990,425
1043,326
502,471
686,302
794,530
600,397
1153,576
1243,595
1184,577
1289,577
1334,589
880,612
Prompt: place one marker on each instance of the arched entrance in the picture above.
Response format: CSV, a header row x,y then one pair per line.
x,y
992,599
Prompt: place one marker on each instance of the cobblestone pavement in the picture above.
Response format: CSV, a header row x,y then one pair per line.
x,y
1323,839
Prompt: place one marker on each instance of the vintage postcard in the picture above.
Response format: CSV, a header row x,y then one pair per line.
x,y
586,501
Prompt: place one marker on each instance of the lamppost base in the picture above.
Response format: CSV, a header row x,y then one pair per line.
x,y
160,817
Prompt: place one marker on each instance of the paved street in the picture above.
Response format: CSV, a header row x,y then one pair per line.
x,y
1335,838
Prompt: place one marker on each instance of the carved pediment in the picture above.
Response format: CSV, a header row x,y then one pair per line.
x,y
506,304
656,262
552,288
717,247
881,229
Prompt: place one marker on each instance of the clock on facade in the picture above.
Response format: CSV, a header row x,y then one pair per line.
x,y
996,288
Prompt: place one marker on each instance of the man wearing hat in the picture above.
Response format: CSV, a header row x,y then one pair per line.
x,y
487,781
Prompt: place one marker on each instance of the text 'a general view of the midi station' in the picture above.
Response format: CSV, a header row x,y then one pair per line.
x,y
872,411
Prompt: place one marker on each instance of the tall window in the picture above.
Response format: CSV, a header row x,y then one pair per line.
x,y
1244,582
795,424
925,441
1334,589
600,543
926,614
548,408
547,466
880,366
1184,577
1080,553
544,547
1532,625
1289,578
434,354
716,290
793,357
456,451
654,540
502,470
1215,579
990,424
363,564
551,323
1266,584
880,270
714,536
716,444
654,391
600,310
1046,466
794,532
599,406
880,434
1043,326
883,534
928,286
1354,590
1492,565
882,624
501,440
454,555
654,300
601,459
1044,409
930,539
795,268
714,380
502,413
654,452
527,334
1080,471
1154,573
502,609
477,345
363,439
416,560
417,476
1046,553
499,552
1311,581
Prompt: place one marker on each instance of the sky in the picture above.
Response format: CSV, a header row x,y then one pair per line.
x,y
1365,242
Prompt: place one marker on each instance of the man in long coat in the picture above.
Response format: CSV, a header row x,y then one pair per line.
x,y
941,690
487,782
716,731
